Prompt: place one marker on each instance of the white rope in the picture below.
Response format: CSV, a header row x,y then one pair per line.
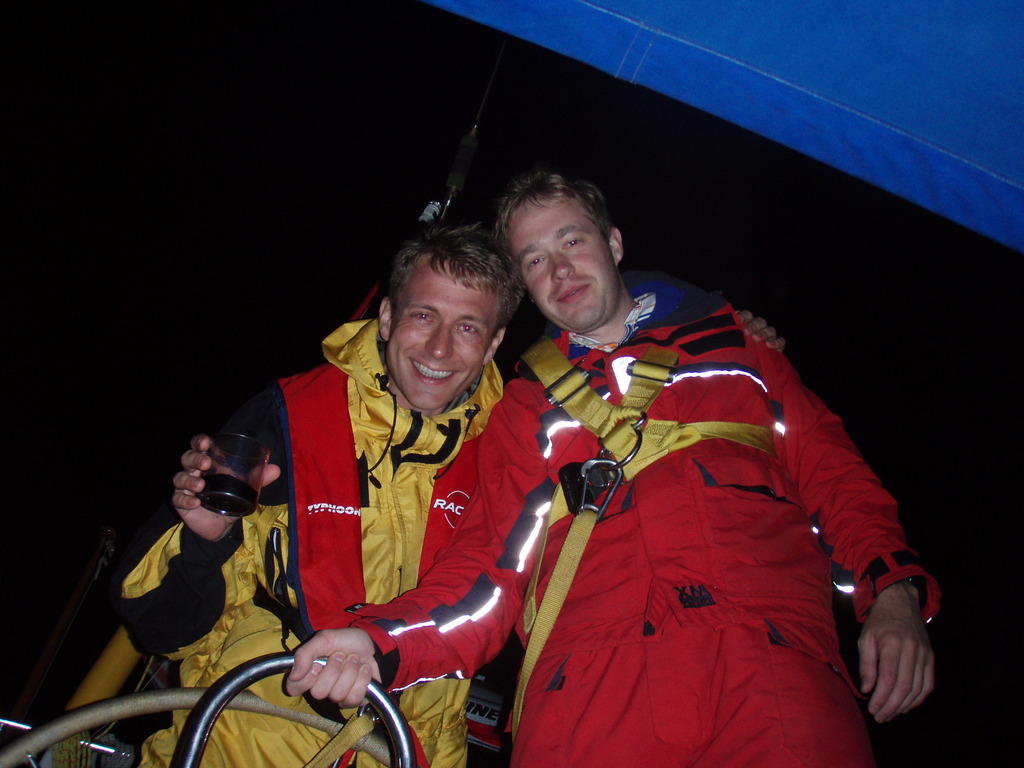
x,y
36,741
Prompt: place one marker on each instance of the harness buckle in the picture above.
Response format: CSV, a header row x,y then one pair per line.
x,y
548,391
644,371
638,428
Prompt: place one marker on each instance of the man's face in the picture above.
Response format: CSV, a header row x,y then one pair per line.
x,y
570,271
439,335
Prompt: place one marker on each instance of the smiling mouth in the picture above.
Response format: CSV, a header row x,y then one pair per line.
x,y
430,373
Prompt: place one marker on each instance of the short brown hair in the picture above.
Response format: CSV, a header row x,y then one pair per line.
x,y
541,184
470,255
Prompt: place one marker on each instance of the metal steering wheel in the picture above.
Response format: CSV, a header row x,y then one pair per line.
x,y
200,721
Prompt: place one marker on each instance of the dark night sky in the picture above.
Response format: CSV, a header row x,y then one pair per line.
x,y
200,195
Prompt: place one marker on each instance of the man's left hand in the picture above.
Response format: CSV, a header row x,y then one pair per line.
x,y
896,661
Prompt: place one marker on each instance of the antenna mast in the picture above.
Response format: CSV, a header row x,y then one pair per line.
x,y
435,210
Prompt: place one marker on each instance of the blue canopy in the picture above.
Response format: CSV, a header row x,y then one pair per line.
x,y
922,98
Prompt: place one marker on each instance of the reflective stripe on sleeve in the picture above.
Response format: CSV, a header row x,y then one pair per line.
x,y
477,603
527,528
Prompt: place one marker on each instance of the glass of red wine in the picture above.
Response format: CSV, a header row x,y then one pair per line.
x,y
233,481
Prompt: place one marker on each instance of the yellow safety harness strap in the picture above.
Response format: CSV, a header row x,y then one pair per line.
x,y
664,437
661,438
567,386
582,404
355,729
558,587
616,427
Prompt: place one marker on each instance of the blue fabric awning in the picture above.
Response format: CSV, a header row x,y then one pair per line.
x,y
923,99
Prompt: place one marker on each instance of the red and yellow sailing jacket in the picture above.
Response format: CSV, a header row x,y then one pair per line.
x,y
369,494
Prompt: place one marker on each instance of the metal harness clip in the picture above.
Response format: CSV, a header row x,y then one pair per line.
x,y
584,482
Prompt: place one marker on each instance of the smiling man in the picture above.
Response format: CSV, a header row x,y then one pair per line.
x,y
371,447
438,334
680,615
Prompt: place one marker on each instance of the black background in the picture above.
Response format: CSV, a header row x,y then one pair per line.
x,y
200,194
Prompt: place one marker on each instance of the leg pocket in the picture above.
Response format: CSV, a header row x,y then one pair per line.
x,y
606,707
820,721
543,737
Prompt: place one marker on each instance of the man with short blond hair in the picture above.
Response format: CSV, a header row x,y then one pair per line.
x,y
367,452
